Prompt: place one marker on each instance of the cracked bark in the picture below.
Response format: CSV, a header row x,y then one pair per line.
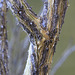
x,y
43,31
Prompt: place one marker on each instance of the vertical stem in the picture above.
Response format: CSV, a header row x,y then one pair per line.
x,y
43,31
31,66
3,40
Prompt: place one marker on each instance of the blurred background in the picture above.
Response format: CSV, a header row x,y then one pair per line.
x,y
19,41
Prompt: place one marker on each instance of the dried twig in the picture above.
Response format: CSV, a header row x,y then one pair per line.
x,y
43,30
3,40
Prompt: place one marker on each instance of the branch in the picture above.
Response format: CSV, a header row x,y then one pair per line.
x,y
43,30
24,14
66,54
3,40
45,48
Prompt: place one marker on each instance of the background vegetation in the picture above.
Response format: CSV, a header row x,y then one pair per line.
x,y
18,43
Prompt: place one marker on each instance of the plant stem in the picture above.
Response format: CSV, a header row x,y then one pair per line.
x,y
43,30
3,40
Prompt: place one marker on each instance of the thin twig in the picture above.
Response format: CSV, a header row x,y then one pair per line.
x,y
3,39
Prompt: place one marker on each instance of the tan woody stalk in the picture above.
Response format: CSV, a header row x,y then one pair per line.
x,y
43,31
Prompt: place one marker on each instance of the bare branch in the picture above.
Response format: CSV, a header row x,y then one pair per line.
x,y
44,32
3,40
29,12
56,13
24,14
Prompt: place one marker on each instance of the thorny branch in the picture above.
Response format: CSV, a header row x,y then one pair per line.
x,y
3,40
43,30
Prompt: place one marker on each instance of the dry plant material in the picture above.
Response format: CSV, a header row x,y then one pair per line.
x,y
3,40
43,30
